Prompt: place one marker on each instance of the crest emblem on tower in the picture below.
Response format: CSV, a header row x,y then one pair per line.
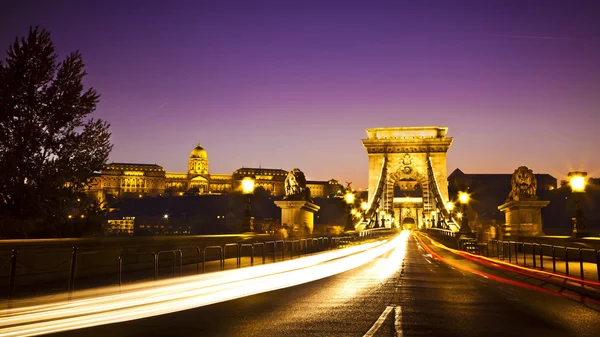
x,y
407,162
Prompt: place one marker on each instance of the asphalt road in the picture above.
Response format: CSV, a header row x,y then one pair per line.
x,y
414,296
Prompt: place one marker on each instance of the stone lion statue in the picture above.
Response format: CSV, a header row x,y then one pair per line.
x,y
295,186
524,185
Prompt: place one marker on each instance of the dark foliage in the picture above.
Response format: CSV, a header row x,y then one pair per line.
x,y
49,149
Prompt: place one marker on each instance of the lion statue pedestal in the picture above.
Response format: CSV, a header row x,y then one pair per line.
x,y
297,208
523,209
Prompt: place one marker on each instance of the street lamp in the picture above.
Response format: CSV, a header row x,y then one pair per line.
x,y
248,190
463,198
433,224
383,219
364,207
450,207
349,198
578,180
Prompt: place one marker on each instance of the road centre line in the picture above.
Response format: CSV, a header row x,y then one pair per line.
x,y
398,320
379,322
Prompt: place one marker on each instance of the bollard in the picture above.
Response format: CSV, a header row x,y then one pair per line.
x,y
155,267
262,244
221,257
542,257
237,252
122,256
567,261
13,275
120,271
71,286
267,243
174,252
251,250
580,263
197,256
282,249
598,264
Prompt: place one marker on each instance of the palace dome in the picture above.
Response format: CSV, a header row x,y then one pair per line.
x,y
198,152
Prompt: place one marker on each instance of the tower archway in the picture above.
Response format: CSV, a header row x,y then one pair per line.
x,y
407,153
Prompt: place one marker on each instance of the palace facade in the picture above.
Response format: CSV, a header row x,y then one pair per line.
x,y
129,180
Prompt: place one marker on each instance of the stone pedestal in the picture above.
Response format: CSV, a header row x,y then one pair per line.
x,y
299,213
523,218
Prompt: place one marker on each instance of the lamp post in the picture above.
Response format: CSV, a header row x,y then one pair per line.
x,y
349,198
383,219
463,198
433,223
364,207
578,180
248,190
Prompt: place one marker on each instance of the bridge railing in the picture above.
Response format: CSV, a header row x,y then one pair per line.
x,y
582,263
145,265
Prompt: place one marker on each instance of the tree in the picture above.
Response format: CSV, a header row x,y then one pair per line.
x,y
49,149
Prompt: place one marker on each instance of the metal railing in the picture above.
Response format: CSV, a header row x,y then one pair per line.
x,y
215,253
533,254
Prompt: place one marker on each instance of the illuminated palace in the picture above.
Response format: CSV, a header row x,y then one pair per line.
x,y
122,180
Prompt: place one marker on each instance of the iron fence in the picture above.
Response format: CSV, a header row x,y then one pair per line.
x,y
533,254
216,253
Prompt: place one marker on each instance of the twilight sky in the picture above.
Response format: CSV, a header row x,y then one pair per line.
x,y
287,84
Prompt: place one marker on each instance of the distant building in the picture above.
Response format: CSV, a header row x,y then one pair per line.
x,y
272,180
131,180
121,226
488,191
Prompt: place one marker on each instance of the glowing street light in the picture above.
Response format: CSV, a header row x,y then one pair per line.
x,y
578,181
459,215
433,224
450,206
463,198
349,198
248,190
364,207
165,216
248,185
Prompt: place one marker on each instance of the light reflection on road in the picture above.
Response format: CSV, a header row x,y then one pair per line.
x,y
157,298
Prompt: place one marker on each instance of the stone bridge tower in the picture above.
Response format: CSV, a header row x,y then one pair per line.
x,y
407,150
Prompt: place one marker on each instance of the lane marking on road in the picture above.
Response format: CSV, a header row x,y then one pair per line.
x,y
398,321
379,322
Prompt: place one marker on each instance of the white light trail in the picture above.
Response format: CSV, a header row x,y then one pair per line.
x,y
163,297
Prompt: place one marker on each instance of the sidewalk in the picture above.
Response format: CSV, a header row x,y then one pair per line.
x,y
583,270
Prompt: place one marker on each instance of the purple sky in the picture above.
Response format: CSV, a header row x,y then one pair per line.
x,y
295,83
